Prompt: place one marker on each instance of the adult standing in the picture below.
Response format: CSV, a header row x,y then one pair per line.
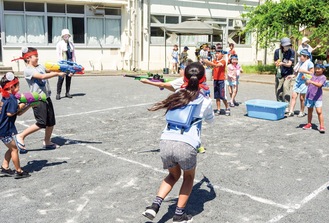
x,y
284,59
65,51
306,46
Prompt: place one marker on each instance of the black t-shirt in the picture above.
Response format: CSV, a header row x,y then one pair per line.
x,y
286,56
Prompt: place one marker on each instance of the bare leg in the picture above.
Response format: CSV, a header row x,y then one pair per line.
x,y
12,153
302,102
218,104
169,182
293,102
186,188
31,129
309,115
320,116
48,133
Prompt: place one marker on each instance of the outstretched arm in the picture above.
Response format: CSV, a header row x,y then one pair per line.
x,y
166,85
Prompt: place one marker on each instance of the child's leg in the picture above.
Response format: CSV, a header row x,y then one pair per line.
x,y
225,103
31,129
309,114
168,183
218,104
293,102
235,91
230,91
48,133
320,116
12,153
302,102
186,188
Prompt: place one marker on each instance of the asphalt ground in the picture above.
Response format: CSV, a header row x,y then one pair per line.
x,y
108,167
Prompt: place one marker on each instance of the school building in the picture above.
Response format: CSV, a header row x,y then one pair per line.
x,y
121,34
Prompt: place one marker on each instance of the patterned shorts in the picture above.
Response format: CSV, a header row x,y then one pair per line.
x,y
175,153
7,139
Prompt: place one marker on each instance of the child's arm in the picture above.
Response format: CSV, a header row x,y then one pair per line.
x,y
22,108
316,84
48,75
166,85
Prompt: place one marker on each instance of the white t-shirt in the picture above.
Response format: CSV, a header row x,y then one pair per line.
x,y
177,83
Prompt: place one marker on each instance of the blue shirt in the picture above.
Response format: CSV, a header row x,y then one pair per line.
x,y
286,56
7,124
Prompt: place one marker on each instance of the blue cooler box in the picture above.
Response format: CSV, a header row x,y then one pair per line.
x,y
266,109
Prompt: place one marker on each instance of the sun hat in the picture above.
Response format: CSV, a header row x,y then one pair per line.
x,y
66,32
285,41
305,39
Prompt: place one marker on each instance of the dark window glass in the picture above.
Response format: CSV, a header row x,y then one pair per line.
x,y
157,31
230,22
157,19
113,11
186,18
13,6
34,7
56,8
50,30
75,9
78,30
172,19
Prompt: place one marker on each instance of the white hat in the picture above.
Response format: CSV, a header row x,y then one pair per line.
x,y
305,39
66,32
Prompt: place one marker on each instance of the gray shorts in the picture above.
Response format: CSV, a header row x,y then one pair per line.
x,y
175,153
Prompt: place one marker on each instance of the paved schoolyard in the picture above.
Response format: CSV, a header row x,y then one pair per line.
x,y
108,167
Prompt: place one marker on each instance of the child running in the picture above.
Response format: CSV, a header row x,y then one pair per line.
x,y
37,78
233,74
314,97
178,145
9,108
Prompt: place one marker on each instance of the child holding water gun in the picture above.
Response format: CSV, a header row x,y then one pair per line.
x,y
233,74
177,145
314,96
37,78
9,109
304,67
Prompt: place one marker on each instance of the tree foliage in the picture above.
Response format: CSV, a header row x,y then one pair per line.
x,y
273,20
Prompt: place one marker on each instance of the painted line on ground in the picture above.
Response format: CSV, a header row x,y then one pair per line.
x,y
296,207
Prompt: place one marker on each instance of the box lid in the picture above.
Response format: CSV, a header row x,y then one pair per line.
x,y
266,103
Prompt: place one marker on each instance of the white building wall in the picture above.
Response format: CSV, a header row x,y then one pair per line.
x,y
230,9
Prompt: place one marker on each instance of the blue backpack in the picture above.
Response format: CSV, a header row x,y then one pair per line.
x,y
182,117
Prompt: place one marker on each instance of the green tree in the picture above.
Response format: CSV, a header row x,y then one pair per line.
x,y
273,20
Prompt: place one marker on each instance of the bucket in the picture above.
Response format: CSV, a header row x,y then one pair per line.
x,y
165,70
209,74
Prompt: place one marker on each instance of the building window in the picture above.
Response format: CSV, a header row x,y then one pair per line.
x,y
22,26
239,38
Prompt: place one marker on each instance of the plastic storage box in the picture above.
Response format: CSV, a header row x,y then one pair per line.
x,y
266,109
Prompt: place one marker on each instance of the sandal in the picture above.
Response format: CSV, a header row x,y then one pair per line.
x,y
20,146
51,146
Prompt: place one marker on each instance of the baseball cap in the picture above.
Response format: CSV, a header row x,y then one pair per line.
x,y
186,48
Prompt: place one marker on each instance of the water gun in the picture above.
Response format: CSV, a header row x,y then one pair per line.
x,y
31,98
306,76
65,66
149,76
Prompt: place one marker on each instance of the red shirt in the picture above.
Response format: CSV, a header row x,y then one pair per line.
x,y
219,72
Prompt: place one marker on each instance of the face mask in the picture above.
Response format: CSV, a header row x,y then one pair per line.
x,y
286,48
